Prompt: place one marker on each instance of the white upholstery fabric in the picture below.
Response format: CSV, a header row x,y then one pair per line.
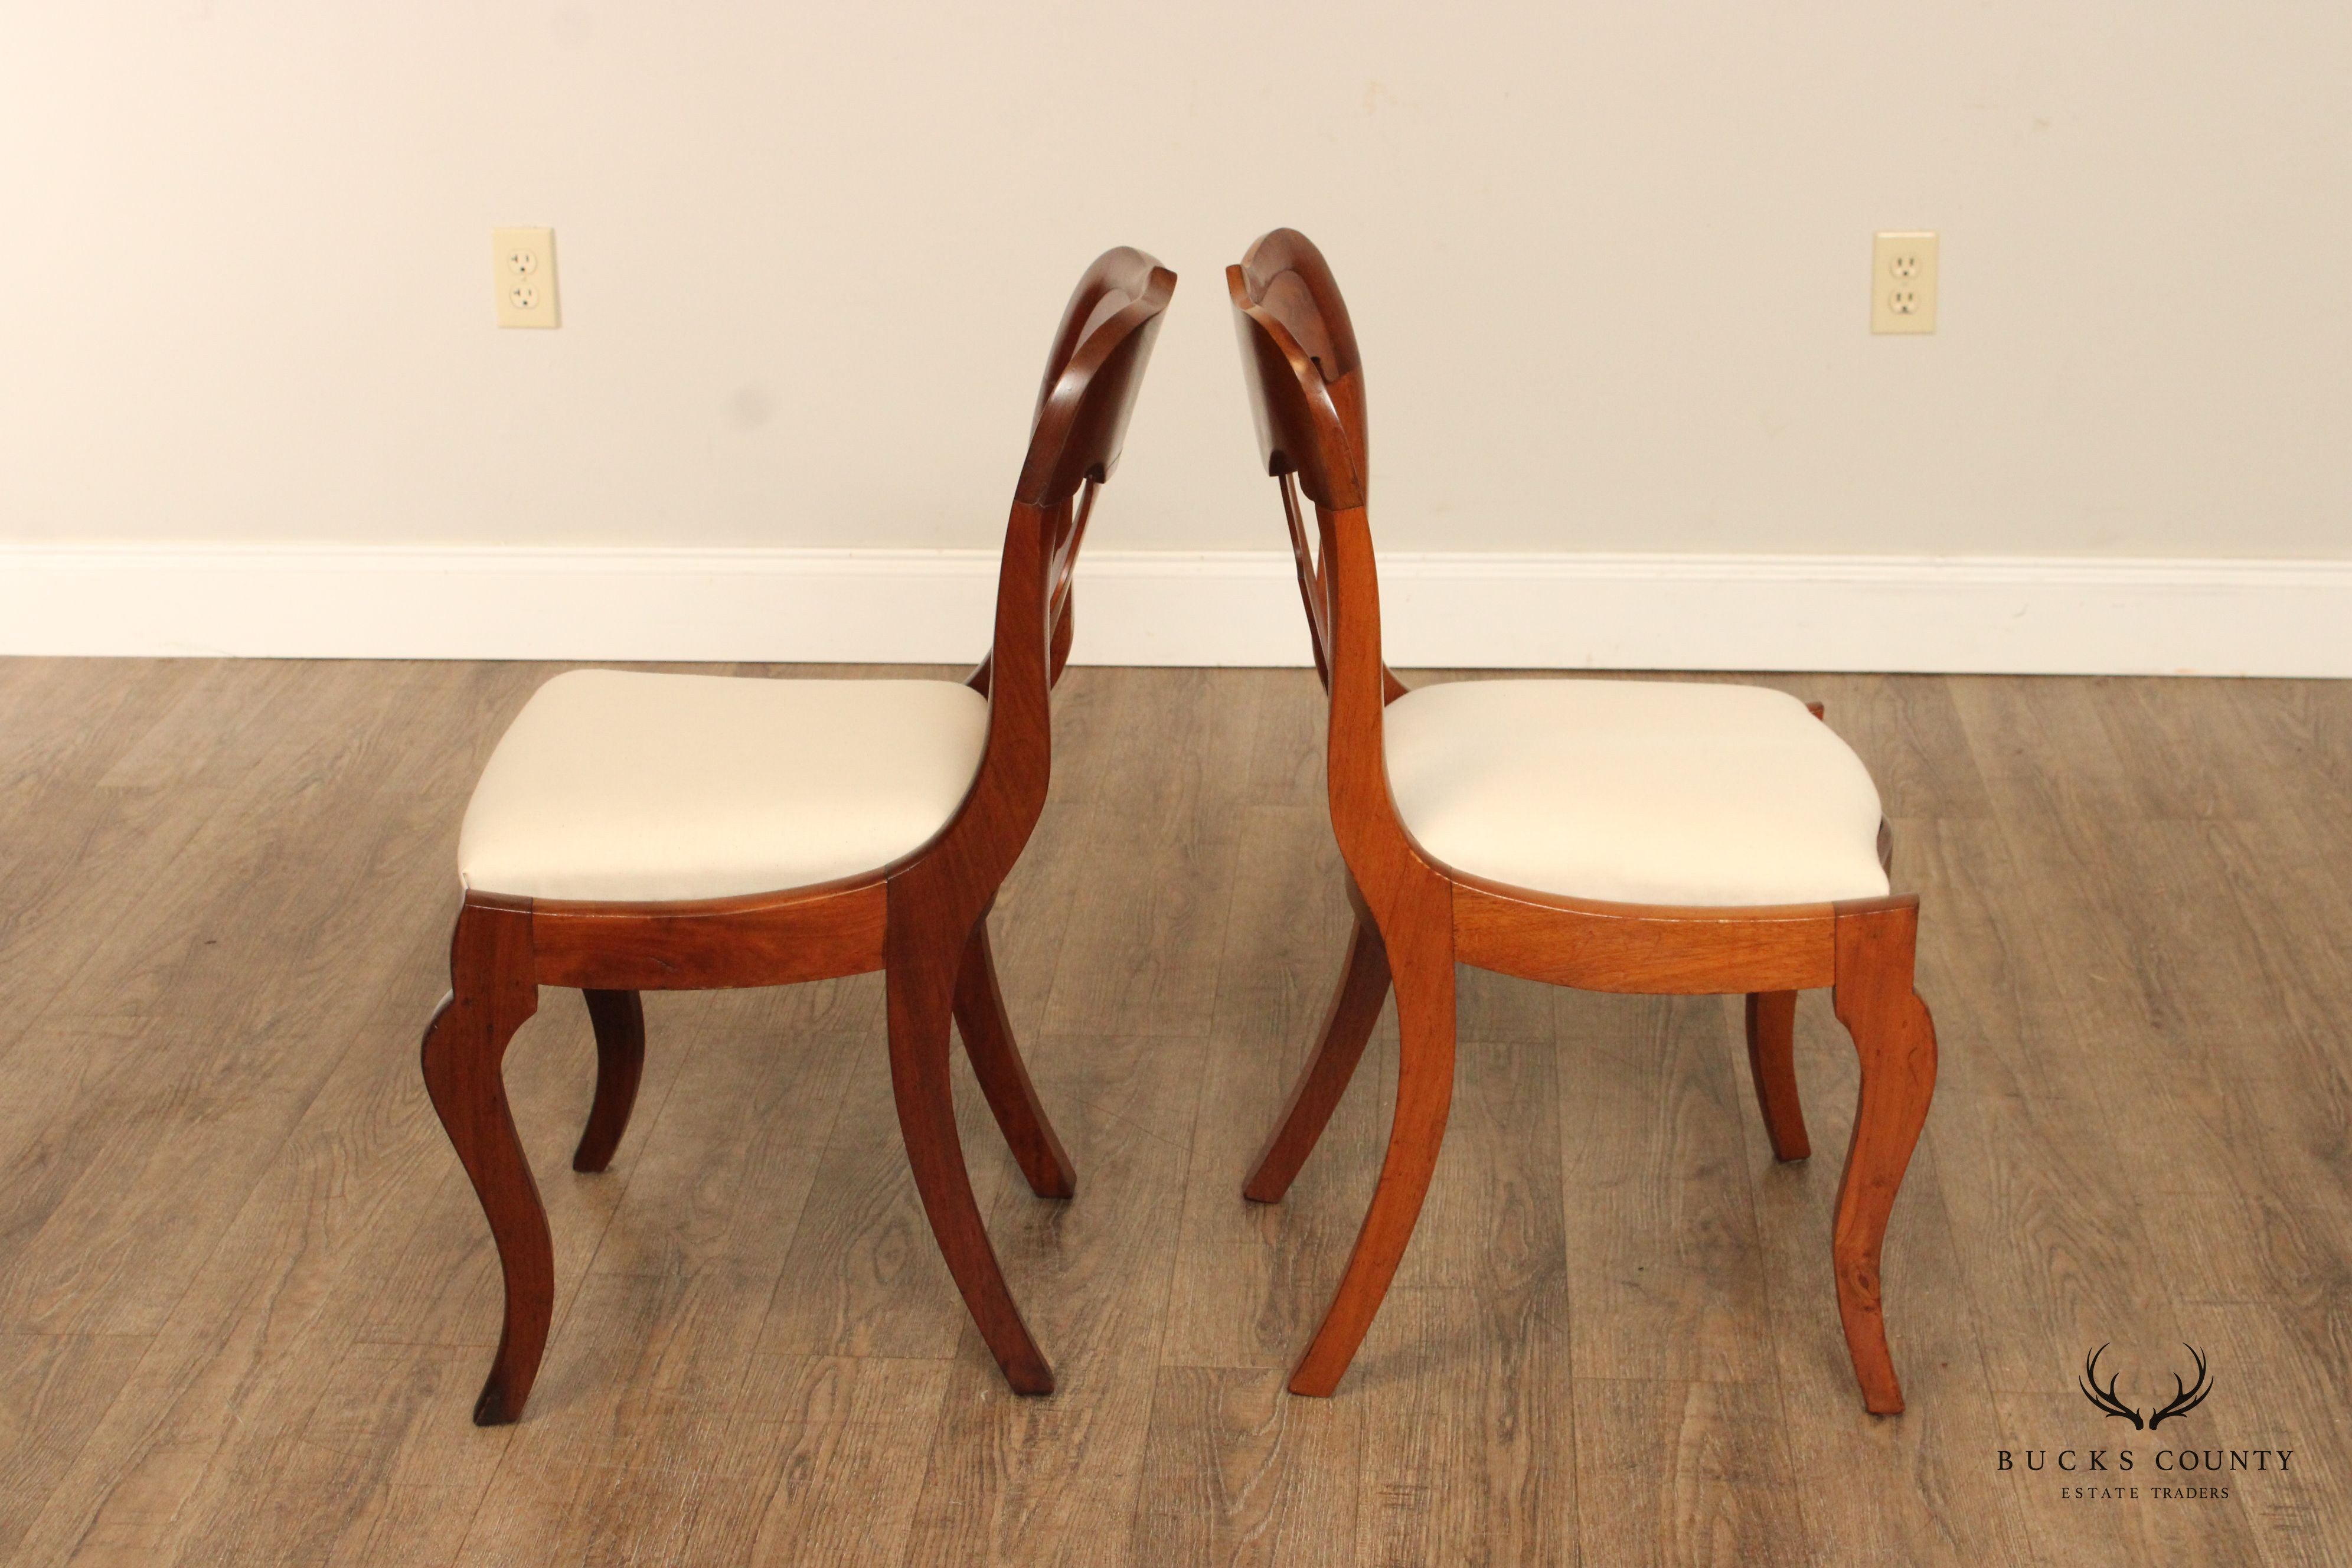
x,y
612,784
1635,790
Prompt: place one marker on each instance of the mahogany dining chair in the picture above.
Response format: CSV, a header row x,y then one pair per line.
x,y
1655,838
637,832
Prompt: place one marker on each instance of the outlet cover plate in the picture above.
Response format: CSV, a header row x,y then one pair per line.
x,y
522,270
1902,282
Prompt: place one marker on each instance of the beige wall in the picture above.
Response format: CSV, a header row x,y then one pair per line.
x,y
1610,263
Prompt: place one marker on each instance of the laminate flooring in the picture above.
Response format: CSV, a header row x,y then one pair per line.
x,y
247,1298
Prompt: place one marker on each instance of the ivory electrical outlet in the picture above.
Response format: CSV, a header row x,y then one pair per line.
x,y
523,272
1903,282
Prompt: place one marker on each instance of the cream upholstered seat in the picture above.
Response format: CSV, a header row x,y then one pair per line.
x,y
1635,790
613,784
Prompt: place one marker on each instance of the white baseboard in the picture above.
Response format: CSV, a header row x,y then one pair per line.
x,y
2022,615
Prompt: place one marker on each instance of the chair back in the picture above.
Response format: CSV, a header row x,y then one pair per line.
x,y
1092,375
1306,379
1093,371
1306,382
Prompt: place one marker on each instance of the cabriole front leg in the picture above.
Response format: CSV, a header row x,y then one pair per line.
x,y
491,993
1895,1039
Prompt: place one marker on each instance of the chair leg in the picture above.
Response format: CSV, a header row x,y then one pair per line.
x,y
491,993
1004,1077
619,1019
1424,988
1895,1039
1773,1063
1347,1025
921,983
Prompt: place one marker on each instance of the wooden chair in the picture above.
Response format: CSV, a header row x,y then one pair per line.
x,y
1613,836
638,832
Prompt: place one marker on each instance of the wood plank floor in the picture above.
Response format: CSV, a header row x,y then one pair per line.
x,y
245,1297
